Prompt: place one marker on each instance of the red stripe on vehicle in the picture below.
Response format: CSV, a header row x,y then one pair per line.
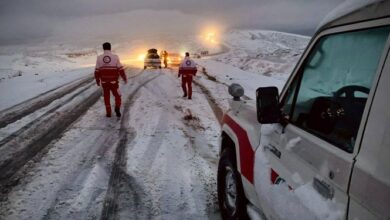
x,y
274,176
247,155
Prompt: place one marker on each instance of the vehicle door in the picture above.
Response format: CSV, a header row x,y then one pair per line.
x,y
324,106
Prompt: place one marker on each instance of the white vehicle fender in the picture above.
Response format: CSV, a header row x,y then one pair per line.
x,y
229,132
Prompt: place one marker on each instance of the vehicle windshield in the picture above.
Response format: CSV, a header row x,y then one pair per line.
x,y
335,85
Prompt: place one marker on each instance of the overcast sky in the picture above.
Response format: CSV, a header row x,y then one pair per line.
x,y
26,21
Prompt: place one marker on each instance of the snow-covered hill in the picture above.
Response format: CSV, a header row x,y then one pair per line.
x,y
269,53
256,58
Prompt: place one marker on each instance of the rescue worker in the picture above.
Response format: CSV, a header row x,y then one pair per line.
x,y
165,58
107,72
187,70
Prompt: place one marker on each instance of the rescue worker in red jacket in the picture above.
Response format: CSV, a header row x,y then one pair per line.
x,y
187,70
107,72
164,55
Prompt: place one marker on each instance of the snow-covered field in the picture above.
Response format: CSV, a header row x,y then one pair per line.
x,y
28,72
159,161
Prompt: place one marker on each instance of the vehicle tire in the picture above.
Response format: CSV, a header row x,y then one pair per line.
x,y
144,67
231,197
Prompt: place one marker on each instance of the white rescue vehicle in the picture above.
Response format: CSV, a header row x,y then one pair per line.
x,y
319,149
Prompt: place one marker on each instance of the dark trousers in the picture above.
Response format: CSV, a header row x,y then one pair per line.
x,y
107,88
186,84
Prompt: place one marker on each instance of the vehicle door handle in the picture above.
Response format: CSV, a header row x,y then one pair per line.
x,y
323,188
278,131
273,150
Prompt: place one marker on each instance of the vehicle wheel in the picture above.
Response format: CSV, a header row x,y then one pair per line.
x,y
144,67
231,197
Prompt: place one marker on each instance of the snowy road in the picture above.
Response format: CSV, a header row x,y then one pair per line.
x,y
158,162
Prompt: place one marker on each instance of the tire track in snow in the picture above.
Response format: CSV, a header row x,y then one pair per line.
x,y
191,133
195,139
151,203
24,144
36,121
62,210
212,198
120,182
14,154
152,148
76,186
73,188
177,176
218,112
18,111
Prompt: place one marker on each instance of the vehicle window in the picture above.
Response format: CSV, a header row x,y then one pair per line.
x,y
334,85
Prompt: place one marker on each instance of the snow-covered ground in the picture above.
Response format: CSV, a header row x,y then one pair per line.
x,y
28,72
170,155
159,161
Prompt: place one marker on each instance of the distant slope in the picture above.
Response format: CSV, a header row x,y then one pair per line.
x,y
269,53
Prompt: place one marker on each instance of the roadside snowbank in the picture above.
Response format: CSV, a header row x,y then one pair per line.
x,y
249,81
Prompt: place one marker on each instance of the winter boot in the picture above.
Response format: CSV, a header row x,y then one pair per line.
x,y
118,112
108,111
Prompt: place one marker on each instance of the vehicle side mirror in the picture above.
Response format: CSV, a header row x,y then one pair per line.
x,y
267,102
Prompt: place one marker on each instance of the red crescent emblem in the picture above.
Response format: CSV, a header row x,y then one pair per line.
x,y
106,59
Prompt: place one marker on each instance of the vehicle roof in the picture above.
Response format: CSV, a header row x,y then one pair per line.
x,y
353,11
152,50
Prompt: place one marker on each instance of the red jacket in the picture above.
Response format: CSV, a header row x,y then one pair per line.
x,y
109,68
